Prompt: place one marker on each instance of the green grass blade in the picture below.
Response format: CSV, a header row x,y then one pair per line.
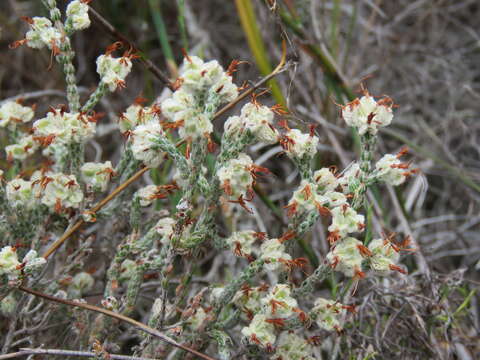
x,y
256,44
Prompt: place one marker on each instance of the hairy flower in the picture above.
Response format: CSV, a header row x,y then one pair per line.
x,y
241,242
61,191
299,145
279,302
135,115
144,143
345,256
384,255
77,15
345,220
113,71
293,347
260,332
391,170
97,175
20,193
43,33
164,228
12,113
60,127
306,198
325,180
328,313
24,148
272,251
367,115
235,176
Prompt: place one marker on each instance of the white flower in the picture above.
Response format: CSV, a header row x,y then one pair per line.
x,y
25,147
326,180
20,193
292,347
391,170
135,115
97,175
144,143
42,33
81,283
345,220
260,332
299,145
306,199
272,251
384,257
12,113
278,302
10,265
60,127
8,261
113,71
367,115
236,177
335,199
195,127
346,257
241,242
328,314
61,191
258,120
164,228
77,15
179,106
207,77
147,194
249,300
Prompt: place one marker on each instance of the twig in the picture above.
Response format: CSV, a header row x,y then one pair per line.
x,y
275,72
120,317
60,352
159,74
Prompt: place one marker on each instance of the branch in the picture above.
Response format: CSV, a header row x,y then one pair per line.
x,y
60,352
120,317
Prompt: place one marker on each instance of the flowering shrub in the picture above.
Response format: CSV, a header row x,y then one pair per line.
x,y
269,308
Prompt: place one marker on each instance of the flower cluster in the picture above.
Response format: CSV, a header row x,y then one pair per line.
x,y
391,170
13,268
59,191
42,33
290,346
367,115
255,119
328,314
77,15
299,145
113,71
97,175
144,141
241,242
204,86
236,176
12,112
135,115
61,128
25,147
274,254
